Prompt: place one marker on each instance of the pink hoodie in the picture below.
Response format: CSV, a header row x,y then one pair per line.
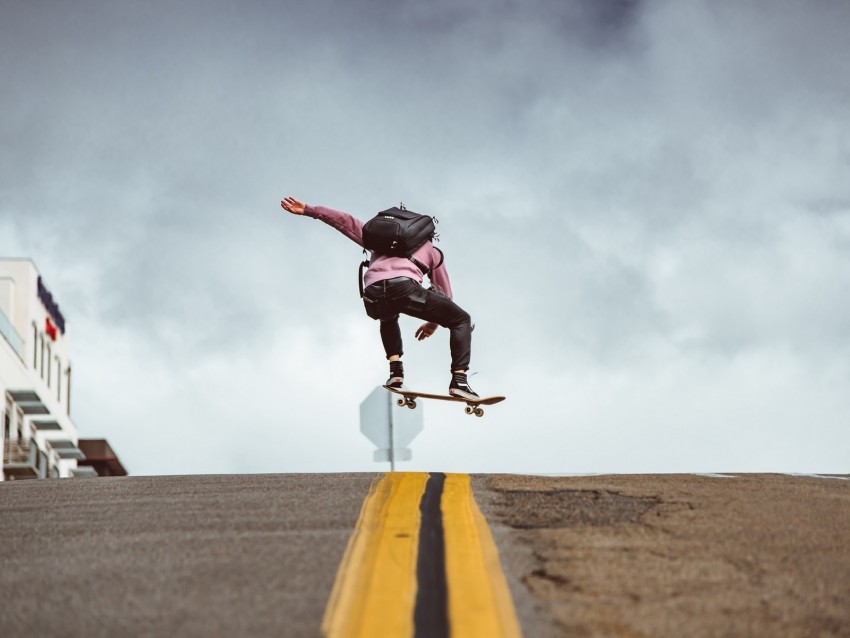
x,y
382,266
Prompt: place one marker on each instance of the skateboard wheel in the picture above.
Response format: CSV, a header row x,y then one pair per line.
x,y
411,405
470,409
479,412
401,403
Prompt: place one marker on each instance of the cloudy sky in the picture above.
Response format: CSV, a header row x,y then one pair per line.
x,y
644,204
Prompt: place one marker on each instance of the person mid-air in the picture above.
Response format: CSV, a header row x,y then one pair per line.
x,y
393,286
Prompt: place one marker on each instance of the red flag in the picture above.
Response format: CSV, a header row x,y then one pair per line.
x,y
50,329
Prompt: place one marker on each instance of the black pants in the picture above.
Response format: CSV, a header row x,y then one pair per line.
x,y
384,300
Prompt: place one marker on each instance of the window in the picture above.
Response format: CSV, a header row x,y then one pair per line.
x,y
68,391
34,346
58,379
49,364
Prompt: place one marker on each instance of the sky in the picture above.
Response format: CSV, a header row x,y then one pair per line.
x,y
644,205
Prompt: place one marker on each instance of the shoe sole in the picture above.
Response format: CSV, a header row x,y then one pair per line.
x,y
460,394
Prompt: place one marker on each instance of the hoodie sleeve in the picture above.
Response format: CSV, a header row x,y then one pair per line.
x,y
439,276
347,224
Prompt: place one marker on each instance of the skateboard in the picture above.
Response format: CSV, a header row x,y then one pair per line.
x,y
408,398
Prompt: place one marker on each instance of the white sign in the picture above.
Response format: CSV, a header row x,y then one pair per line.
x,y
390,427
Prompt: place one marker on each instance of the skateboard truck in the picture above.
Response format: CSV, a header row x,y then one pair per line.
x,y
471,406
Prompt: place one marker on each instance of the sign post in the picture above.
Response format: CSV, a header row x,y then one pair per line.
x,y
390,427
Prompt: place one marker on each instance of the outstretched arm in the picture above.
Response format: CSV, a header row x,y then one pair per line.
x,y
347,224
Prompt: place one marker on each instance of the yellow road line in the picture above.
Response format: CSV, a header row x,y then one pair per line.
x,y
375,588
480,603
374,593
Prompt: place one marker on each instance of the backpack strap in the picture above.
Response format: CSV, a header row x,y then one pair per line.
x,y
363,265
425,270
442,259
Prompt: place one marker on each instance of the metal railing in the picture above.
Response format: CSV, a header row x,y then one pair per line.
x,y
20,458
16,451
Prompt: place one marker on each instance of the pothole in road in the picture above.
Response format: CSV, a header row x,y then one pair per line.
x,y
529,509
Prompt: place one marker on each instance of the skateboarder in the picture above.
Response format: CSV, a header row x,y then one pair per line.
x,y
394,285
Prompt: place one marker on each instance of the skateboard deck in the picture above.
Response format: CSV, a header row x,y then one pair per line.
x,y
408,398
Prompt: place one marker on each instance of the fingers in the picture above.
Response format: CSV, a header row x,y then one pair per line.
x,y
292,205
425,331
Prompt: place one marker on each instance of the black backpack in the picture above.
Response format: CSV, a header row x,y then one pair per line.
x,y
398,232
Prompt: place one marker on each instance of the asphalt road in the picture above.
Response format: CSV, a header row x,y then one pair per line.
x,y
674,555
186,556
753,555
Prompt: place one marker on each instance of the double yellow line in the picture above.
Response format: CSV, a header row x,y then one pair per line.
x,y
376,586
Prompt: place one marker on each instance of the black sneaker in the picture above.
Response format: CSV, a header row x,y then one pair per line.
x,y
396,379
459,387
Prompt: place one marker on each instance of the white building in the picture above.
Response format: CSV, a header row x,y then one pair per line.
x,y
39,438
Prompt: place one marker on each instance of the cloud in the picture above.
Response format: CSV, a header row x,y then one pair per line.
x,y
644,206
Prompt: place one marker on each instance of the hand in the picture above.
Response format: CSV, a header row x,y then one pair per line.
x,y
426,330
292,205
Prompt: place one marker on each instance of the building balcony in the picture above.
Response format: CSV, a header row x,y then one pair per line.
x,y
20,460
66,449
100,456
29,402
84,471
